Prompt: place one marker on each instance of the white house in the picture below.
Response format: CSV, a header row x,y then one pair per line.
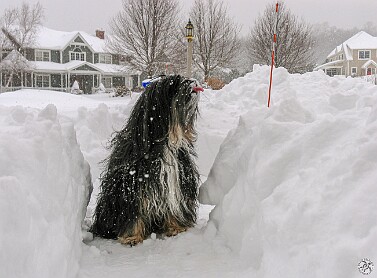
x,y
57,59
357,56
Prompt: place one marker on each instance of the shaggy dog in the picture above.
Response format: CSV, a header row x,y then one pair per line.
x,y
150,183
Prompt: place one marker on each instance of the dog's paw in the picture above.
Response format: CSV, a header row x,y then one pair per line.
x,y
131,240
175,231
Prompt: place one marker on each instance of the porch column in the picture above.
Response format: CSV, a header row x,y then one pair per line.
x,y
61,81
138,80
68,81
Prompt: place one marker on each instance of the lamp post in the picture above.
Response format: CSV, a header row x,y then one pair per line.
x,y
190,36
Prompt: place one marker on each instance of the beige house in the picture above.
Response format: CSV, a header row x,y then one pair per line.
x,y
357,56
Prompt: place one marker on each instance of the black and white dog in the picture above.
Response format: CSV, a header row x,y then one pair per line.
x,y
150,183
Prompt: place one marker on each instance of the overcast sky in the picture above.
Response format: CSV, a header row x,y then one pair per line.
x,y
88,15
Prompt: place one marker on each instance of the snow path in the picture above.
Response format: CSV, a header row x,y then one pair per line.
x,y
195,253
190,254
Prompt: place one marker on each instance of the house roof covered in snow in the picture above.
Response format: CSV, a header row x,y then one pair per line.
x,y
109,69
361,40
47,38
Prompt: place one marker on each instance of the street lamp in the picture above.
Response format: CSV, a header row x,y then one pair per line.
x,y
189,36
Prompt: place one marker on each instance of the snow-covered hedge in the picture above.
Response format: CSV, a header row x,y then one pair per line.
x,y
295,185
44,183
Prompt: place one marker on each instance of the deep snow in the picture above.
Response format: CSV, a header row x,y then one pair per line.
x,y
293,184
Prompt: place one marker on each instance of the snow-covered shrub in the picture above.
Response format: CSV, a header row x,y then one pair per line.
x,y
75,89
122,91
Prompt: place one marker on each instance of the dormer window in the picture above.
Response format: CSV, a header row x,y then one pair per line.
x,y
77,55
364,54
42,55
341,57
105,58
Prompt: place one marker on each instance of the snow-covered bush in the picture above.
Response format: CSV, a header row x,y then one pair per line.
x,y
75,89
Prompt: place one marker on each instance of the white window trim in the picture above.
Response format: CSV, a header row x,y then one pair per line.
x,y
364,50
80,53
104,55
43,75
42,52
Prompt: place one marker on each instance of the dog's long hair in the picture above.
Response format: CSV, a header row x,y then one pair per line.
x,y
150,182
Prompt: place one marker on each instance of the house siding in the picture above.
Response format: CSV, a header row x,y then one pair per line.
x,y
55,56
30,54
115,59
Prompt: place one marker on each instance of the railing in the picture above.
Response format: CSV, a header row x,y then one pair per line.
x,y
370,78
12,89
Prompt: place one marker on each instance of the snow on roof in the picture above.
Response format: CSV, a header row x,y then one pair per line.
x,y
102,68
97,44
366,65
361,40
47,38
56,67
111,68
326,65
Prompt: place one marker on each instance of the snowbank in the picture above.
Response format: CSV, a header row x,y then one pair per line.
x,y
44,183
295,185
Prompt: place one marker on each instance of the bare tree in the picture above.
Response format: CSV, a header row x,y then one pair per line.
x,y
144,32
19,27
216,36
294,47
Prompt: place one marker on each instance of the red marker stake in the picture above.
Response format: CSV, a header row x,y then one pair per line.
x,y
273,54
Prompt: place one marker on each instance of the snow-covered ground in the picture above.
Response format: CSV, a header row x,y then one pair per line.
x,y
293,185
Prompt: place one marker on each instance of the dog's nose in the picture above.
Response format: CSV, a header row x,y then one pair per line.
x,y
197,89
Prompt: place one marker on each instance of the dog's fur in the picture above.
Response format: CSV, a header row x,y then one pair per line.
x,y
150,183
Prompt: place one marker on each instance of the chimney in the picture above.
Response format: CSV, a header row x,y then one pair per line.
x,y
100,34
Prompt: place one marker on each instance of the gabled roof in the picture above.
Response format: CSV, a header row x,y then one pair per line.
x,y
361,40
47,38
368,63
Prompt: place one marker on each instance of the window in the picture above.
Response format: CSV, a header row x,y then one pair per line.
x,y
106,81
353,71
332,71
341,57
42,55
364,54
105,58
42,80
77,55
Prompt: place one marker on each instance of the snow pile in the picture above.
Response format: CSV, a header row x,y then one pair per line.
x,y
295,185
44,186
